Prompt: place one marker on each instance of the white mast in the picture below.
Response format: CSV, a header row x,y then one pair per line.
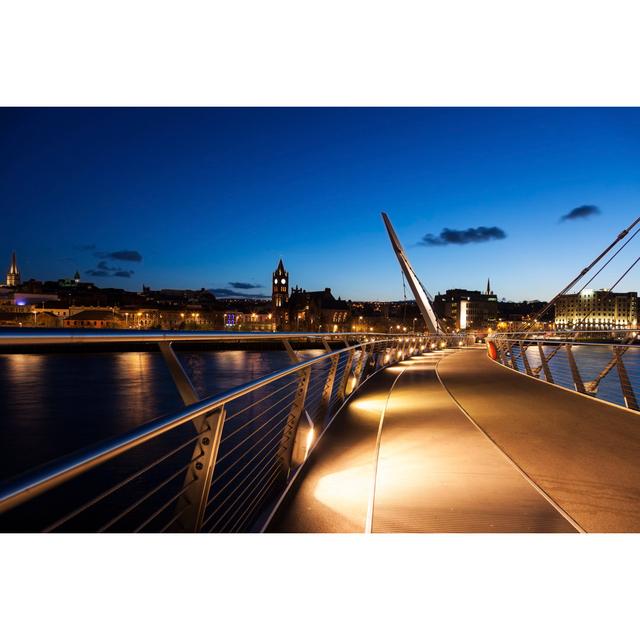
x,y
418,289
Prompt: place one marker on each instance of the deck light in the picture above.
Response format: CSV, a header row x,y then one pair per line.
x,y
309,442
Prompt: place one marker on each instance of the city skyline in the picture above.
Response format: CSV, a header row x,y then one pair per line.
x,y
222,295
191,198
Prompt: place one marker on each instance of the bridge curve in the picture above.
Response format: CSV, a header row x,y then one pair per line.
x,y
403,457
582,452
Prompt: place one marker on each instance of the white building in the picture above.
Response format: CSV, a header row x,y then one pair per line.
x,y
597,309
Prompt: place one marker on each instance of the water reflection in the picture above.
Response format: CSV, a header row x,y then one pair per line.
x,y
57,403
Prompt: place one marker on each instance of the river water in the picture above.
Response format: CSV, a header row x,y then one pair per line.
x,y
55,404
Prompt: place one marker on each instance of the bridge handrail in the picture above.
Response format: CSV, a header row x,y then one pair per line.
x,y
548,358
209,416
47,479
572,339
98,336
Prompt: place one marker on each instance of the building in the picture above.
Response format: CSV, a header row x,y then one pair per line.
x,y
238,320
99,319
280,297
597,310
318,311
460,309
13,275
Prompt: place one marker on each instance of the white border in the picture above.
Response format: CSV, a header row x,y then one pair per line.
x,y
340,52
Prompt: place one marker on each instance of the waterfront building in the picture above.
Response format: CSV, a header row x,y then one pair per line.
x,y
280,297
461,309
13,275
597,309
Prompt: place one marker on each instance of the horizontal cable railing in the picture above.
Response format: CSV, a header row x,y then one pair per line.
x,y
599,364
218,464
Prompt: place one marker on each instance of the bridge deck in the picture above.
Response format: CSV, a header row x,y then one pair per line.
x,y
436,471
583,453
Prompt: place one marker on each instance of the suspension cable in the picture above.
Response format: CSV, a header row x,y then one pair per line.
x,y
595,275
582,273
609,292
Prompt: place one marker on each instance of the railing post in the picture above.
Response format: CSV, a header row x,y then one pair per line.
x,y
342,391
525,360
192,503
545,364
374,361
501,348
328,386
285,449
575,374
591,387
513,358
393,352
625,384
361,363
380,355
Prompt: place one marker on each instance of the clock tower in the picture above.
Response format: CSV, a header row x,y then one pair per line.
x,y
280,297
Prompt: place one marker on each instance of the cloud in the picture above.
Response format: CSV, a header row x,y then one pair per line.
x,y
109,272
463,236
585,211
245,285
230,293
126,255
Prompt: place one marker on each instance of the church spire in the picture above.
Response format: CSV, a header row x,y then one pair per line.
x,y
280,297
13,276
488,287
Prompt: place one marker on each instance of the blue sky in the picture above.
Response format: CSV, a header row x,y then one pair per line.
x,y
208,197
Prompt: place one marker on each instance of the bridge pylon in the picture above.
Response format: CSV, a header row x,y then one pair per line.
x,y
419,292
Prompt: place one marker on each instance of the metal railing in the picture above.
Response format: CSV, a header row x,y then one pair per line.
x,y
598,364
218,464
